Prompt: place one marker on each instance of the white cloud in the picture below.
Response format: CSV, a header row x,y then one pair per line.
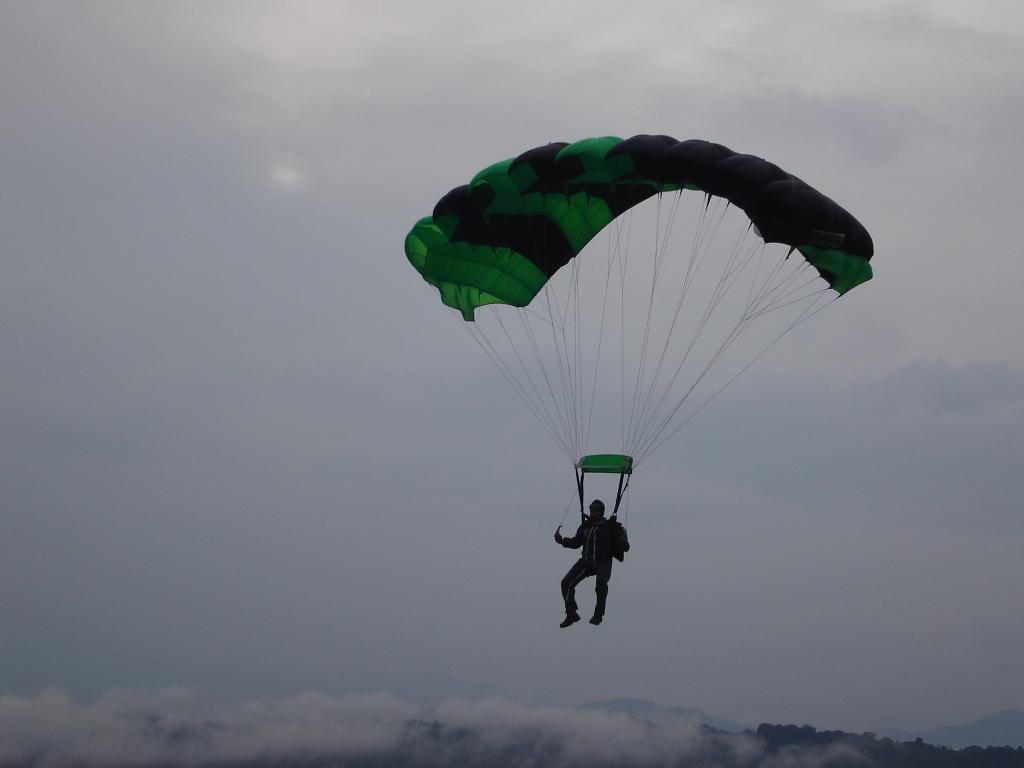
x,y
287,177
174,726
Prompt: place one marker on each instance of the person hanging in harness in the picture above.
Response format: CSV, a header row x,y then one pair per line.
x,y
601,540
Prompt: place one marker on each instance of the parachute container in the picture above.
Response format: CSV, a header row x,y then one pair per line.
x,y
606,463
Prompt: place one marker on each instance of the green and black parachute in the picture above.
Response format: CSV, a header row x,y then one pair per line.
x,y
503,239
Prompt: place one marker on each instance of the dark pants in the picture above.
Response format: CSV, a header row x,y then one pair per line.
x,y
581,570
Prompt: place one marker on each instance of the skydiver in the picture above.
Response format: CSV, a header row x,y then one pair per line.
x,y
601,540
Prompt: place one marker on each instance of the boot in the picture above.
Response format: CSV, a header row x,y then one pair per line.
x,y
570,618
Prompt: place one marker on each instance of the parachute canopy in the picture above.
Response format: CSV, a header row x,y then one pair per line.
x,y
656,325
501,237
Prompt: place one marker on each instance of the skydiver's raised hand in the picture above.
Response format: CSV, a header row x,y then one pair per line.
x,y
558,535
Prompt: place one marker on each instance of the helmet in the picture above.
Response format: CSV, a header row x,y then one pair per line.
x,y
597,506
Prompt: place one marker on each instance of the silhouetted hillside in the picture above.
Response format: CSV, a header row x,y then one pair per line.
x,y
845,750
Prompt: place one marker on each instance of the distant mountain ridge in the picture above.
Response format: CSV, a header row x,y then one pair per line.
x,y
1002,729
657,713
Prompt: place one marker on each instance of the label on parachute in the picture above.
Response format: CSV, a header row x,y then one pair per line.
x,y
823,239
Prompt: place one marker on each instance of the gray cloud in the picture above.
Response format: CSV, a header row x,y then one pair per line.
x,y
244,449
175,727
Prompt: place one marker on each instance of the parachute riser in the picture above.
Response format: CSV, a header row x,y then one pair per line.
x,y
579,486
621,492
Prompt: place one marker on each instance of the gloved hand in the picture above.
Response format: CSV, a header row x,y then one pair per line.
x,y
558,535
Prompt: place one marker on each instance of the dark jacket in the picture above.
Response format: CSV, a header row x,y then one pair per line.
x,y
602,540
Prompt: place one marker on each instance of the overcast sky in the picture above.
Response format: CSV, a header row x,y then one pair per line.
x,y
244,449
